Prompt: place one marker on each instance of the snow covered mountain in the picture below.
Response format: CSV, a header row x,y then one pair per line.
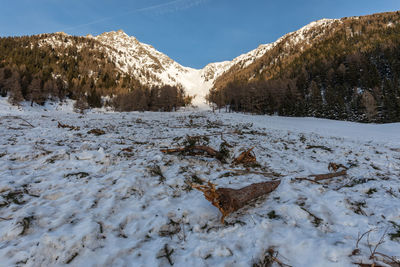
x,y
151,67
337,69
114,63
155,68
287,45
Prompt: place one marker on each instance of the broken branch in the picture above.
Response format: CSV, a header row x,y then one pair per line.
x,y
60,125
192,149
18,118
319,177
335,166
242,172
246,157
96,132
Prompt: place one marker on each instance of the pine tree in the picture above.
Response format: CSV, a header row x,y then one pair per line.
x,y
35,92
94,99
15,93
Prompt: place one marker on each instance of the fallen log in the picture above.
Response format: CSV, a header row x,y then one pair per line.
x,y
319,177
306,179
247,171
229,200
319,147
192,149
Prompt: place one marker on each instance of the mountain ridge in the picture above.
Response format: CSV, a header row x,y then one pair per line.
x,y
154,68
345,69
116,63
131,56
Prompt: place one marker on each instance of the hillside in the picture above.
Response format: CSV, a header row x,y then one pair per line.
x,y
340,69
58,66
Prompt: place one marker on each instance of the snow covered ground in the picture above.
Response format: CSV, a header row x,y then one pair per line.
x,y
68,196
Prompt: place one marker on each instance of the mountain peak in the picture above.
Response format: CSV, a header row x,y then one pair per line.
x,y
62,33
116,34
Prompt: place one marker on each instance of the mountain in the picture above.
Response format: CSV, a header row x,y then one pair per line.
x,y
290,43
152,67
120,55
149,66
58,65
344,69
334,68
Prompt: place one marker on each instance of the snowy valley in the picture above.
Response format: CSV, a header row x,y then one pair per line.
x,y
84,185
96,190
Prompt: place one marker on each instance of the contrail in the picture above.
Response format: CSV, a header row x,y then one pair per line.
x,y
149,8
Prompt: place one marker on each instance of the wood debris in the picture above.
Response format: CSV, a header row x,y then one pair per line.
x,y
270,257
319,147
376,257
335,166
18,118
192,150
75,128
368,264
319,177
127,149
166,252
229,200
246,158
198,145
96,132
247,171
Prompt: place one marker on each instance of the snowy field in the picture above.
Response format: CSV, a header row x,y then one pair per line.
x,y
71,197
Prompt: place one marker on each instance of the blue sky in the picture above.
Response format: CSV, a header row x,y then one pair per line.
x,y
192,32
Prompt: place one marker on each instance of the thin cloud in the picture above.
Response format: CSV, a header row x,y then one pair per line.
x,y
170,7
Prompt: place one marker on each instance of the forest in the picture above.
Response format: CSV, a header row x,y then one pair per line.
x,y
351,73
79,69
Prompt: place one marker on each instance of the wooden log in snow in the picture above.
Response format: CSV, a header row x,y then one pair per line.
x,y
319,177
192,149
229,200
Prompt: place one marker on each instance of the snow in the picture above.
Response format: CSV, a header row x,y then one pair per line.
x,y
89,200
